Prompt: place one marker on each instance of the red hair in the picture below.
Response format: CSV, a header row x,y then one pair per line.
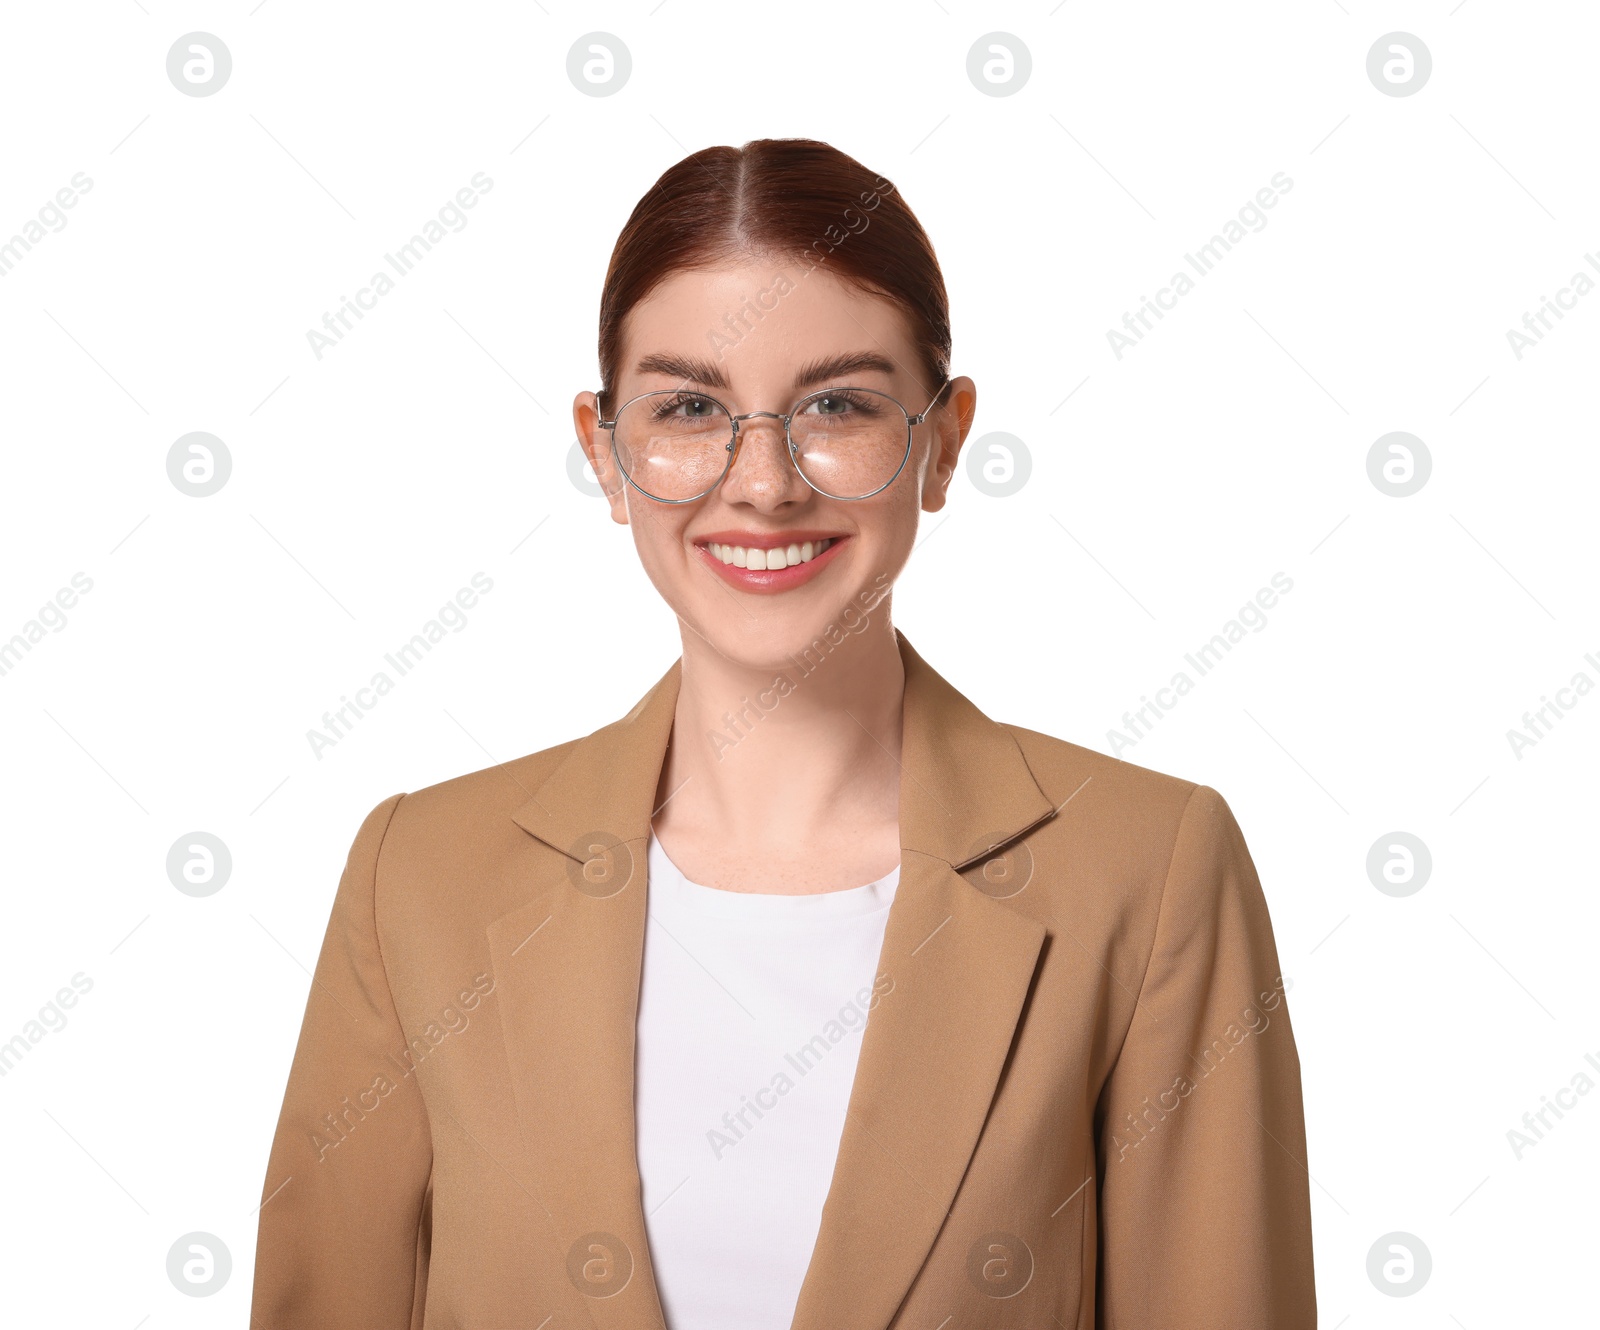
x,y
795,199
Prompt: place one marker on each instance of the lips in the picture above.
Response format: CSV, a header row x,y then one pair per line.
x,y
768,557
805,554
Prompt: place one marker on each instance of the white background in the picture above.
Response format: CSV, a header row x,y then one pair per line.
x,y
1168,486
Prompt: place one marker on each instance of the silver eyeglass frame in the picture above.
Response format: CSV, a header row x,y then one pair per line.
x,y
732,447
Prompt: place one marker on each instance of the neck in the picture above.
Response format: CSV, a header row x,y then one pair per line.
x,y
778,758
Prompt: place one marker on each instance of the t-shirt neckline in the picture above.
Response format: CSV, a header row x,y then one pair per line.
x,y
667,879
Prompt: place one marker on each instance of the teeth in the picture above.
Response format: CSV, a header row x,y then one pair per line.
x,y
780,556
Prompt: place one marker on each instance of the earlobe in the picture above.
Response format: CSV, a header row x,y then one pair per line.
x,y
936,485
596,447
951,429
613,486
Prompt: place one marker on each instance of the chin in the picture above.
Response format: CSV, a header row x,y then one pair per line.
x,y
798,640
780,647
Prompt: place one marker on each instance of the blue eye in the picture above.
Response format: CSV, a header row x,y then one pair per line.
x,y
699,408
842,403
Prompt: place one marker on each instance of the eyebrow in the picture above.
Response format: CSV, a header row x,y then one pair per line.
x,y
824,371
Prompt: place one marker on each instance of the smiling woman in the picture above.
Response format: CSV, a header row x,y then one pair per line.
x,y
671,908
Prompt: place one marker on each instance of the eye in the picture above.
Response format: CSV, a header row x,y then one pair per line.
x,y
685,406
840,403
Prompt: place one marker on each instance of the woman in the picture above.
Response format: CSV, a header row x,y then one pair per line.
x,y
805,993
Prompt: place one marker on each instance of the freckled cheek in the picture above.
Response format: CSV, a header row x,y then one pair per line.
x,y
663,551
889,531
672,572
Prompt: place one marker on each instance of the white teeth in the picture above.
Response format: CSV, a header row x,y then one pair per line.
x,y
780,556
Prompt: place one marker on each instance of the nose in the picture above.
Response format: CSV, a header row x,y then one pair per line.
x,y
762,473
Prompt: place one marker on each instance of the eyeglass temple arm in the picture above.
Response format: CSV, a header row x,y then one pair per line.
x,y
920,418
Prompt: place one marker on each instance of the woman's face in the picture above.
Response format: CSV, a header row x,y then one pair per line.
x,y
758,337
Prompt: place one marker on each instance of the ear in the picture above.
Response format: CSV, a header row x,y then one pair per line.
x,y
951,423
596,444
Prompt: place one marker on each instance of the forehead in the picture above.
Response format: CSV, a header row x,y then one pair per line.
x,y
762,319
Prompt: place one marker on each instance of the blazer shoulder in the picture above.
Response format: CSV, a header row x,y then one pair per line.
x,y
1123,834
468,804
1114,812
1062,767
445,865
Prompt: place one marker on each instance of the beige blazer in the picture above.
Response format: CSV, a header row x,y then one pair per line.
x,y
1077,1102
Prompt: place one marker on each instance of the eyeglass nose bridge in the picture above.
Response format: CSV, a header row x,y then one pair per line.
x,y
788,440
759,415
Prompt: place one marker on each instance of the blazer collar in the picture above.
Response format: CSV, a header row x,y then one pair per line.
x,y
965,786
956,963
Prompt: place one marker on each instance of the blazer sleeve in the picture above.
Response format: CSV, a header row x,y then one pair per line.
x,y
1204,1202
341,1233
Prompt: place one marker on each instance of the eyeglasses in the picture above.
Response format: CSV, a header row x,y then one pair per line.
x,y
676,445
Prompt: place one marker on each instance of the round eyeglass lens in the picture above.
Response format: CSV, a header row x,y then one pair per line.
x,y
673,445
850,442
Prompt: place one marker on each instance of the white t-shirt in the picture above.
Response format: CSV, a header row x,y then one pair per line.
x,y
751,1007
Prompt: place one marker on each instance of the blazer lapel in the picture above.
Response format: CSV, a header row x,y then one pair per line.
x,y
954,972
567,966
960,964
